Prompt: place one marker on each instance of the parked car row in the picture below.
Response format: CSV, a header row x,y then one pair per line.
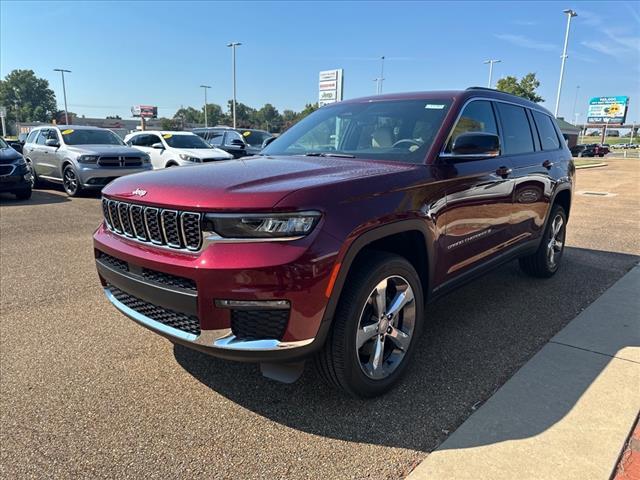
x,y
590,150
84,158
624,146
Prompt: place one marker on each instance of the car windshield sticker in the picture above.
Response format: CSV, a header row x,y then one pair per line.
x,y
167,135
246,134
67,132
434,106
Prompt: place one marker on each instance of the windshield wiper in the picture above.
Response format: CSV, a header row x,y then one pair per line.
x,y
329,154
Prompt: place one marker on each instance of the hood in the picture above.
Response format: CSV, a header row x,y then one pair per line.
x,y
9,155
205,152
250,183
111,150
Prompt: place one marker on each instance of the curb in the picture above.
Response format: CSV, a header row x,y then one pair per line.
x,y
595,165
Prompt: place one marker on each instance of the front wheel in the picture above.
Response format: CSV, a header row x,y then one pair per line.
x,y
375,328
545,261
70,181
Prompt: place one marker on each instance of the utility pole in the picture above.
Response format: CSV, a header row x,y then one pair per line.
x,y
380,79
205,87
64,93
491,62
233,46
575,102
570,14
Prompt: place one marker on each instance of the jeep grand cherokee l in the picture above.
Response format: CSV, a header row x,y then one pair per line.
x,y
79,157
332,244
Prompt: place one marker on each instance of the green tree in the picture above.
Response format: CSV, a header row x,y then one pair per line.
x,y
190,115
525,87
245,115
308,108
268,118
171,123
27,96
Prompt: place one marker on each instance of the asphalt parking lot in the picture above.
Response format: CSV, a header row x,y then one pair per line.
x,y
84,392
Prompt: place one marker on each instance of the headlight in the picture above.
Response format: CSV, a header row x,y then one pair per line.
x,y
189,158
88,159
274,225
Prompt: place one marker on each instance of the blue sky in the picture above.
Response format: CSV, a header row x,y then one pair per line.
x,y
158,53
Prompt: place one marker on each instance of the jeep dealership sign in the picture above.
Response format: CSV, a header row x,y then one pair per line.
x,y
611,110
330,86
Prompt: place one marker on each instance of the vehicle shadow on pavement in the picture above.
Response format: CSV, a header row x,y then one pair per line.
x,y
39,197
477,338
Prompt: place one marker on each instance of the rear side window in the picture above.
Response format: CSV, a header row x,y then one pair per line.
x,y
548,135
477,116
516,131
214,137
42,138
32,136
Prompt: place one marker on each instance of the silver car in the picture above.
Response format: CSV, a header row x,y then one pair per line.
x,y
79,157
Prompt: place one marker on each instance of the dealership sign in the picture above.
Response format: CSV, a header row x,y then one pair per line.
x,y
611,110
144,111
330,86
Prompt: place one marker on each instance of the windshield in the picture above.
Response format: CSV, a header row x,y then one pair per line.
x,y
397,130
185,141
255,138
3,144
90,137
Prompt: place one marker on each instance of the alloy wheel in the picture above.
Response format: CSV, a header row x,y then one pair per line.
x,y
70,181
556,241
386,327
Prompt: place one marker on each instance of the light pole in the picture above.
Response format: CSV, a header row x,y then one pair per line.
x,y
575,102
570,14
205,87
233,46
64,93
491,62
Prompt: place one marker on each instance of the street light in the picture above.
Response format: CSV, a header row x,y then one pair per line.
x,y
64,93
570,14
233,46
491,62
205,87
575,102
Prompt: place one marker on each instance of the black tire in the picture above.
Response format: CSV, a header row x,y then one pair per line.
x,y
35,182
539,264
71,186
339,362
24,194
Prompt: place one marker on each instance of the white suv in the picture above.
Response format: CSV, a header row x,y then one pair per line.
x,y
169,149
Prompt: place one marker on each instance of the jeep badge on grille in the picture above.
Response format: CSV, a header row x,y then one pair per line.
x,y
139,192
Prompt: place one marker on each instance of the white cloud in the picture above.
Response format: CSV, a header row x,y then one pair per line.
x,y
525,42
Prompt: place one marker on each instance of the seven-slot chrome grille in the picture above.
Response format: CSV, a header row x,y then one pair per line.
x,y
166,227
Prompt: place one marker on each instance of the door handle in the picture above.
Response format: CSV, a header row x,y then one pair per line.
x,y
547,164
503,172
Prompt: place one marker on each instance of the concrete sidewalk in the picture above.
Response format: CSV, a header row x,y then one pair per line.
x,y
566,413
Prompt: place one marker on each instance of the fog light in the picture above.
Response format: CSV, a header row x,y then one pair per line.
x,y
253,304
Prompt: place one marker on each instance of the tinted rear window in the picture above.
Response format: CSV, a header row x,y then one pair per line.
x,y
516,131
548,135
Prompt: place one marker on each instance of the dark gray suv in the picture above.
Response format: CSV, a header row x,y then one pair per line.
x,y
79,157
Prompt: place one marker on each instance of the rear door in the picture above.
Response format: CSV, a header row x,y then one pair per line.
x,y
45,156
533,157
478,199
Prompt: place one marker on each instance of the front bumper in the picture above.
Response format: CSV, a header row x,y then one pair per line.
x,y
17,179
297,272
92,176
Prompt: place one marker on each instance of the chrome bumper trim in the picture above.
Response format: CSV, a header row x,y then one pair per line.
x,y
222,339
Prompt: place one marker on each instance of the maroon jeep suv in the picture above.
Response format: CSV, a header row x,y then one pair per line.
x,y
331,244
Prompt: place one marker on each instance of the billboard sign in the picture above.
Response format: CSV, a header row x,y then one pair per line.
x,y
611,110
145,111
330,86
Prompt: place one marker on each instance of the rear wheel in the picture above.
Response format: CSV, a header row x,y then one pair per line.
x,y
546,261
70,181
34,178
375,328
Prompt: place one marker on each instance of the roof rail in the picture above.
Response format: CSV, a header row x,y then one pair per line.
x,y
485,88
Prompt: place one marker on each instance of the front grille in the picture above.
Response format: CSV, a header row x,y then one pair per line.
x,y
168,279
120,161
259,324
6,169
181,321
114,262
179,230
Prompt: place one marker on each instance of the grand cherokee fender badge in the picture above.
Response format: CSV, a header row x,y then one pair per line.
x,y
139,192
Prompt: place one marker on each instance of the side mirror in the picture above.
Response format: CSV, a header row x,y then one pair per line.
x,y
158,146
268,141
17,146
52,143
474,145
238,143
